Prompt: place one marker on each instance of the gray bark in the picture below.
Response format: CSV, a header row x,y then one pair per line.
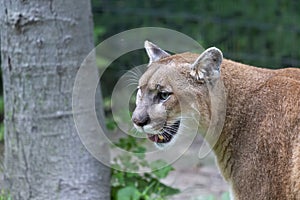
x,y
42,46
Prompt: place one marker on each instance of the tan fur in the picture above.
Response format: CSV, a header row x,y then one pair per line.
x,y
258,151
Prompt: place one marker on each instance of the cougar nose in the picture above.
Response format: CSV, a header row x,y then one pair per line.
x,y
141,120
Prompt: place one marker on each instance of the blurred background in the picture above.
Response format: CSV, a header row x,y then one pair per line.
x,y
261,33
258,33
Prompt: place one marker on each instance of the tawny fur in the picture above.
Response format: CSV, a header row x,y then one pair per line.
x,y
258,151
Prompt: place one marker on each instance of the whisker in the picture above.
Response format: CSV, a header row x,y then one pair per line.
x,y
136,72
130,84
167,135
133,129
132,77
166,132
170,128
190,118
132,81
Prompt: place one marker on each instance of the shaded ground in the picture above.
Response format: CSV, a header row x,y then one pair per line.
x,y
196,178
198,183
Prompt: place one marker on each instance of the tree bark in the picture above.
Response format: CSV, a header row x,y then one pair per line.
x,y
42,46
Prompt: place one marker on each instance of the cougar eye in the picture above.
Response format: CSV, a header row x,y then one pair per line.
x,y
163,95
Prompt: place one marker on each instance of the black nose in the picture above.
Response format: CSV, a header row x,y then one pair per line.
x,y
141,120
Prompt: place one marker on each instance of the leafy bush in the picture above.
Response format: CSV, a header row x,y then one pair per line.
x,y
135,186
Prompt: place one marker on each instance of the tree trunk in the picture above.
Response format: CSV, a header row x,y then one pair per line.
x,y
43,44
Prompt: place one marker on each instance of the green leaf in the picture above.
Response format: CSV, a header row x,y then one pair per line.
x,y
118,179
128,193
165,190
160,168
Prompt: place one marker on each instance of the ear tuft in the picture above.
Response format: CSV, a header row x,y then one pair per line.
x,y
207,65
154,52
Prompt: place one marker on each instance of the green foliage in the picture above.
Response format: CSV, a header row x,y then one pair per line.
x,y
5,195
128,193
135,186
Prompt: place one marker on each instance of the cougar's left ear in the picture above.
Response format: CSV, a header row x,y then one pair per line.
x,y
207,65
154,52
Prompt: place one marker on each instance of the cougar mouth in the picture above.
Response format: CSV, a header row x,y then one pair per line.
x,y
166,134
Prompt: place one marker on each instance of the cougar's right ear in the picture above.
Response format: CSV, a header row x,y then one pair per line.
x,y
154,52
